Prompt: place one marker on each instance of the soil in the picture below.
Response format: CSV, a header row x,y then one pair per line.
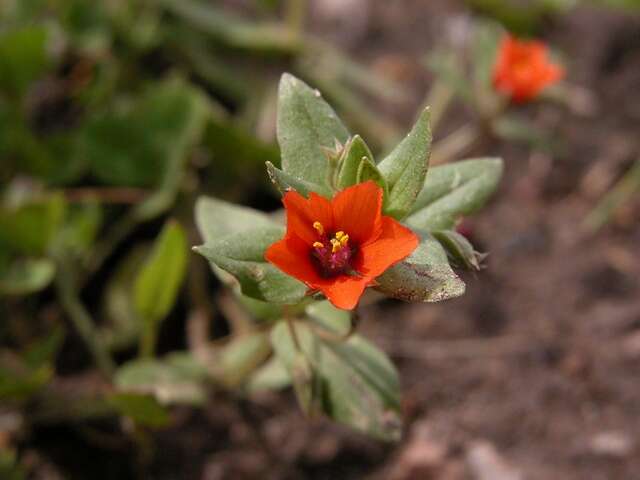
x,y
534,372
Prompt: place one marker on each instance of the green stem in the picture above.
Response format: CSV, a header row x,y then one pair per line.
x,y
438,100
619,194
148,340
295,13
82,321
454,145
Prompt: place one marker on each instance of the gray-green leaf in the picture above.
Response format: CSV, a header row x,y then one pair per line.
x,y
353,153
285,182
157,284
424,276
358,385
453,190
242,255
406,166
306,125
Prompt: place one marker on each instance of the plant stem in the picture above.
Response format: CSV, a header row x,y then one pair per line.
x,y
295,12
454,144
82,321
148,339
438,100
620,193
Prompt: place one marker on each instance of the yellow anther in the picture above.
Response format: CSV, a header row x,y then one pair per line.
x,y
335,245
319,228
339,234
318,245
344,239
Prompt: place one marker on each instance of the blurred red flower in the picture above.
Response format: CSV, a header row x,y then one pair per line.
x,y
340,246
523,69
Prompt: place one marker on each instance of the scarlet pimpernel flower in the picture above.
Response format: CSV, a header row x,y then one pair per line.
x,y
340,246
523,69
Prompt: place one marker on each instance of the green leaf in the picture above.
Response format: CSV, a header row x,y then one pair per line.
x,y
43,351
80,228
242,255
368,171
424,276
406,166
306,126
453,190
352,381
237,359
20,385
353,153
30,227
270,376
157,285
459,249
224,141
329,318
25,276
23,57
233,31
285,182
177,379
123,326
143,409
217,218
138,145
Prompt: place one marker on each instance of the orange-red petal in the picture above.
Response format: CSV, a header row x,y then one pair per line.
x,y
356,210
303,212
395,243
345,291
291,255
523,69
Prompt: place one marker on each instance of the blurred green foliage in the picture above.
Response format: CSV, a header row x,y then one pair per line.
x,y
114,116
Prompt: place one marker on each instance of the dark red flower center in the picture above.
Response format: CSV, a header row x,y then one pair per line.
x,y
332,254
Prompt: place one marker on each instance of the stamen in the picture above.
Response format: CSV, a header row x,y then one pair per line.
x,y
344,239
339,234
318,245
335,245
319,228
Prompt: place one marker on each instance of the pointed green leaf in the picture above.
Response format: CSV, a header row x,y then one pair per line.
x,y
285,182
25,276
238,358
368,171
158,283
143,409
271,376
451,191
23,57
242,255
29,228
143,143
424,276
306,125
406,166
354,151
358,384
176,379
329,318
216,218
459,249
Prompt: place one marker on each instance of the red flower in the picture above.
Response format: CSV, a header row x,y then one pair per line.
x,y
523,69
340,246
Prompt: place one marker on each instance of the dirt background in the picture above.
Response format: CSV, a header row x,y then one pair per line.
x,y
534,373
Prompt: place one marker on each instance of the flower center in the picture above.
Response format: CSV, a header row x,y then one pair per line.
x,y
331,253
